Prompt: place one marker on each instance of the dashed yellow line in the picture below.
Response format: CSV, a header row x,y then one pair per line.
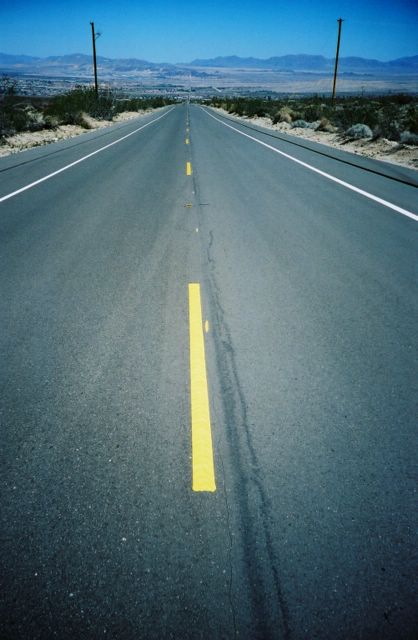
x,y
188,168
187,141
202,449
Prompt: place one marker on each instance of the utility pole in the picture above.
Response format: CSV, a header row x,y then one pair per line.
x,y
94,37
340,21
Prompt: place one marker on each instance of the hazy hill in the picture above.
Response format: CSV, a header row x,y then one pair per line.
x,y
304,62
287,63
80,65
73,64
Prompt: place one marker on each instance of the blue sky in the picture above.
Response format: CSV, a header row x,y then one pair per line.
x,y
180,31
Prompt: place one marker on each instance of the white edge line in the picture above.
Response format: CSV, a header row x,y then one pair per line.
x,y
68,166
385,203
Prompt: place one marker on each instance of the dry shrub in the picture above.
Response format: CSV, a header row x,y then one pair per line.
x,y
283,115
359,131
325,125
407,137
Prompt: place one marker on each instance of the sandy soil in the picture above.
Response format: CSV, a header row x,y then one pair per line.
x,y
27,140
382,149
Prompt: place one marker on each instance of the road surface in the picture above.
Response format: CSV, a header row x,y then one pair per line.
x,y
181,277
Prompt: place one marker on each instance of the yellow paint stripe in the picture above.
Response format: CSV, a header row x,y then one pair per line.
x,y
202,450
188,168
187,140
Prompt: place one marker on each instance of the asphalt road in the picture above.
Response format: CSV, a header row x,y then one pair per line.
x,y
309,305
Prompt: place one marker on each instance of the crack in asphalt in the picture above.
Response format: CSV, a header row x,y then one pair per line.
x,y
271,612
231,571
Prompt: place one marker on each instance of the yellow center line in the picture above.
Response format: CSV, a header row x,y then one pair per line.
x,y
187,140
202,449
188,168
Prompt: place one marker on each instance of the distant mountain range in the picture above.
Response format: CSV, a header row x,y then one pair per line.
x,y
80,65
304,62
77,62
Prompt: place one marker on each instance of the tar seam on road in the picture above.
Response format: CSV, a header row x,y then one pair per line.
x,y
385,203
72,164
202,448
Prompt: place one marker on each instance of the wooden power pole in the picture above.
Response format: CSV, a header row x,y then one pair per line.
x,y
340,21
94,36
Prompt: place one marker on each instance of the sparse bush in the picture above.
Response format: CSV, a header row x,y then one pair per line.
x,y
82,120
325,125
409,138
255,108
74,106
411,120
377,116
301,124
18,113
358,131
70,106
313,112
13,117
388,128
12,120
50,122
34,119
139,104
401,99
237,108
283,115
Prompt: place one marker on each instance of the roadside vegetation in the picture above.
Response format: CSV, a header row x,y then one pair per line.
x,y
19,114
394,117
